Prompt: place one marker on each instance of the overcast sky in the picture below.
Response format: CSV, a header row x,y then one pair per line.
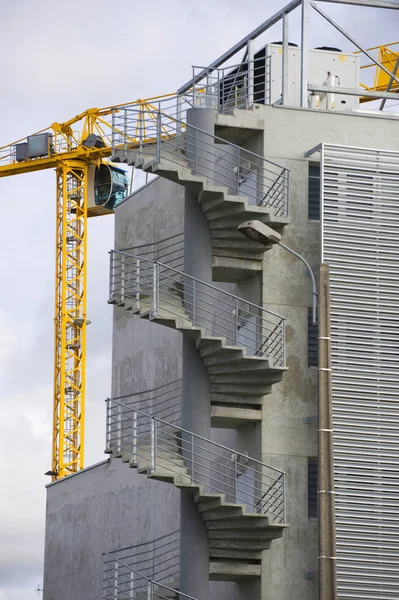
x,y
57,59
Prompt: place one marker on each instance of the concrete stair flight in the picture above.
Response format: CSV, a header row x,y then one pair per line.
x,y
234,255
238,533
238,380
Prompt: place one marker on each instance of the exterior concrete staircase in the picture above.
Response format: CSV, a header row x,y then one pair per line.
x,y
217,188
241,519
241,371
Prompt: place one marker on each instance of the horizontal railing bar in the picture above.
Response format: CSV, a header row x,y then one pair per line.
x,y
162,537
171,237
196,436
208,285
147,391
221,140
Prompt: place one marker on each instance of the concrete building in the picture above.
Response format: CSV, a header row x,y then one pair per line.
x,y
214,383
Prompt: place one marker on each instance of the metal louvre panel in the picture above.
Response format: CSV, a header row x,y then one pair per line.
x,y
360,242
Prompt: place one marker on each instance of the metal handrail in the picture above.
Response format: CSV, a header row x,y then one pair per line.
x,y
144,414
150,582
167,239
195,279
217,138
160,287
158,539
155,389
201,151
234,85
156,443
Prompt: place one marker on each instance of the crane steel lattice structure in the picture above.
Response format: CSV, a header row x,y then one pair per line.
x,y
74,153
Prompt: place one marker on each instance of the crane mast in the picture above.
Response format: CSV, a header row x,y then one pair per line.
x,y
79,195
70,318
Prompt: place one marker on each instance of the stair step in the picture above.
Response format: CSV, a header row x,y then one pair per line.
x,y
232,416
210,204
170,475
247,522
232,570
234,245
161,465
192,488
227,356
249,378
254,556
239,534
210,502
244,365
258,545
240,388
243,400
210,341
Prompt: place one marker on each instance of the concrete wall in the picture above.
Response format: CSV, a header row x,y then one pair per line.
x,y
287,441
95,511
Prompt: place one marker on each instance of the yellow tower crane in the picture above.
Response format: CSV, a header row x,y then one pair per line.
x,y
388,56
86,186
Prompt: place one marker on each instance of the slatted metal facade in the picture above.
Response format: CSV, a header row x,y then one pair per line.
x,y
360,242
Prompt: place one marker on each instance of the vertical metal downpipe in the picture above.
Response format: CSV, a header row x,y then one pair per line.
x,y
325,487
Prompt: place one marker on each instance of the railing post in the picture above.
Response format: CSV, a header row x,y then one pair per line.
x,y
153,444
122,296
159,130
131,591
116,580
141,129
221,95
283,342
111,276
284,501
113,131
236,480
235,321
125,131
196,152
119,438
192,459
108,424
194,302
284,91
179,102
155,289
149,591
135,437
137,284
238,169
250,48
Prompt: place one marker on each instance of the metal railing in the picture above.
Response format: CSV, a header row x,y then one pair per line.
x,y
156,444
157,560
164,402
164,291
234,87
169,250
123,582
242,172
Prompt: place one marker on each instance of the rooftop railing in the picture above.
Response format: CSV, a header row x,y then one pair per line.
x,y
169,139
